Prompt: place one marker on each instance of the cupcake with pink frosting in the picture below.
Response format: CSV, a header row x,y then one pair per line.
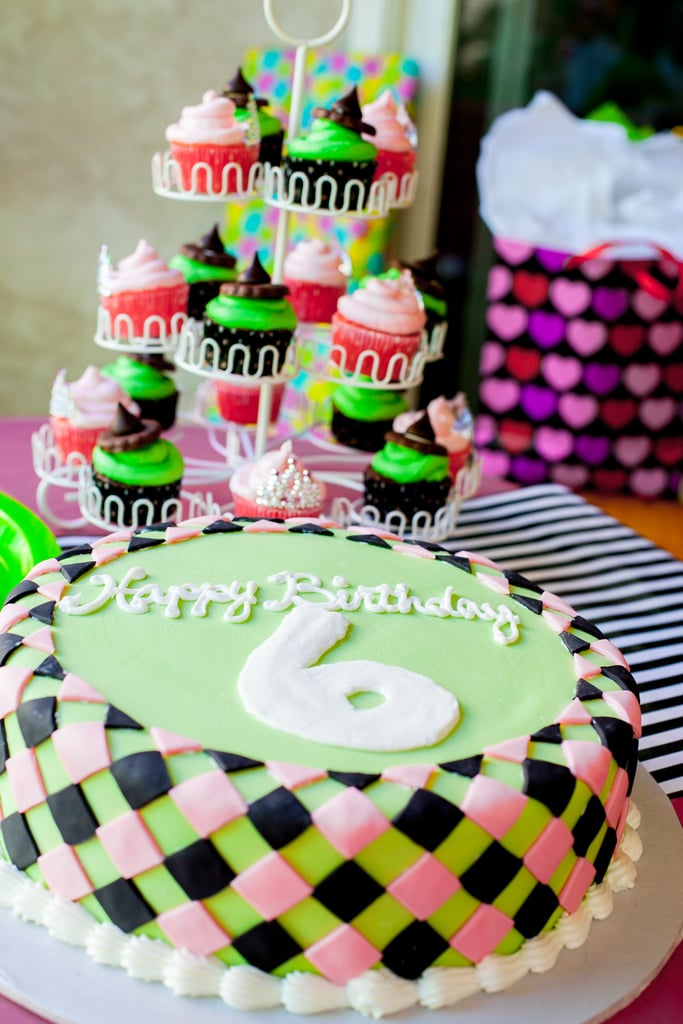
x,y
451,421
313,273
395,136
276,486
214,151
81,410
379,322
143,296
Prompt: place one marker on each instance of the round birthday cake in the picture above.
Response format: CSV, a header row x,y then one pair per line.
x,y
281,762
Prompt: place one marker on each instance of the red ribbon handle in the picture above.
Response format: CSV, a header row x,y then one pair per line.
x,y
643,277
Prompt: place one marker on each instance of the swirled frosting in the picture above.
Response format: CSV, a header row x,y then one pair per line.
x,y
213,120
450,419
390,122
278,478
91,400
392,306
316,261
143,269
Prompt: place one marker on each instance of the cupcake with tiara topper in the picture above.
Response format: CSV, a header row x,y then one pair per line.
x,y
276,486
272,134
214,151
314,275
395,136
82,409
330,155
142,296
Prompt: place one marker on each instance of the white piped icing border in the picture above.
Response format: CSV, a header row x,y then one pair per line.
x,y
377,993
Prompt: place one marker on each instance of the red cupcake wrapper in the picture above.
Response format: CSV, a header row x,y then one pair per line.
x,y
249,507
217,158
149,312
456,460
241,404
70,438
395,163
354,339
314,303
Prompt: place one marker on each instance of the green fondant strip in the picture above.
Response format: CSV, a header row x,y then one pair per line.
x,y
138,379
158,464
195,270
408,466
368,404
329,141
252,314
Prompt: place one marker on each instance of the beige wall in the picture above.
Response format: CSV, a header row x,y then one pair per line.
x,y
88,87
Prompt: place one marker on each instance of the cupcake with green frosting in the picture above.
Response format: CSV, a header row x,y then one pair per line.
x,y
361,416
240,91
249,326
132,463
144,379
205,265
332,162
409,474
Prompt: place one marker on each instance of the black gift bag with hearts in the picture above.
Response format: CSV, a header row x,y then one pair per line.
x,y
581,372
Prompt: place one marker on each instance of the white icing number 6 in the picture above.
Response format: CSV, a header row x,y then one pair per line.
x,y
279,687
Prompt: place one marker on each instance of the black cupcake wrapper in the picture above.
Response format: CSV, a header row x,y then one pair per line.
x,y
227,337
339,171
390,496
128,495
367,435
200,293
270,150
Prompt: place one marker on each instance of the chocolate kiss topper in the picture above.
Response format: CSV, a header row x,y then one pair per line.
x,y
239,90
254,283
347,113
419,436
209,249
128,433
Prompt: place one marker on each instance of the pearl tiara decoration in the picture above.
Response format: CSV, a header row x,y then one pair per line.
x,y
292,487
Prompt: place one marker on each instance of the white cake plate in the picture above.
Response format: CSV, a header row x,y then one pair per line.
x,y
586,986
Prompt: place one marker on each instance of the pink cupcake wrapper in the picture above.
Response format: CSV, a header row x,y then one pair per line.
x,y
314,303
161,304
216,157
249,507
354,339
70,438
395,163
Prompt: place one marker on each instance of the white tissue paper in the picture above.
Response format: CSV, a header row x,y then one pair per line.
x,y
553,180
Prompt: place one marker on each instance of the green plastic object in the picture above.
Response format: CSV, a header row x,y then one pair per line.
x,y
612,113
24,541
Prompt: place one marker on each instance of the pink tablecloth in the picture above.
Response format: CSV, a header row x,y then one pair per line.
x,y
660,1003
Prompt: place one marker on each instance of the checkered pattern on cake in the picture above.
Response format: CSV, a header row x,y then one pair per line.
x,y
436,903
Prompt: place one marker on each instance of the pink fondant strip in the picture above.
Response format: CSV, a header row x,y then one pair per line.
x,y
292,776
589,762
607,649
265,526
479,936
476,559
10,615
414,550
64,873
515,750
415,776
40,640
494,582
574,714
190,926
424,887
113,538
545,855
621,825
271,886
349,821
493,805
616,798
584,668
577,885
109,553
171,743
53,591
342,955
558,623
174,534
627,707
374,531
557,604
130,844
27,783
42,568
13,679
82,749
75,688
208,801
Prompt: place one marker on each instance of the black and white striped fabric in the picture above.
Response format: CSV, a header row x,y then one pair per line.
x,y
625,584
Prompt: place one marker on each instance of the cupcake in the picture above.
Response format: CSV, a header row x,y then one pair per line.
x,y
409,474
384,318
80,411
395,137
271,131
205,265
361,416
313,274
253,313
214,151
333,148
452,424
276,486
425,276
238,401
144,297
144,380
130,462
